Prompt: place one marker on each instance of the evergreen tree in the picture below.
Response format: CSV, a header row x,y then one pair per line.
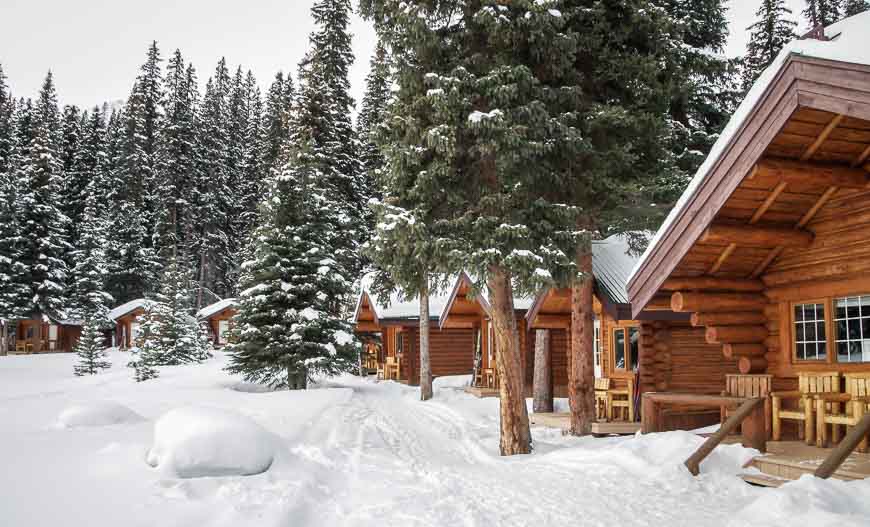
x,y
772,30
7,130
276,122
43,225
289,325
170,335
90,350
179,160
822,12
854,7
252,189
324,115
89,297
89,167
372,111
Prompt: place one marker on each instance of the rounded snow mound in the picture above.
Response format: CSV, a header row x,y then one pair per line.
x,y
98,413
197,442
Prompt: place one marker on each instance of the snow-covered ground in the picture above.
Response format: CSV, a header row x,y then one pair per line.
x,y
78,451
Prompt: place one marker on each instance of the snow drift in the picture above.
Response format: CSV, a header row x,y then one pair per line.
x,y
195,442
97,413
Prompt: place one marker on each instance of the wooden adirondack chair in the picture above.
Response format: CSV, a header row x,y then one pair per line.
x,y
855,401
809,384
622,401
750,386
602,399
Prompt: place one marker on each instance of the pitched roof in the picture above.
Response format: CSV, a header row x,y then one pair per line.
x,y
216,308
612,263
398,307
128,307
848,42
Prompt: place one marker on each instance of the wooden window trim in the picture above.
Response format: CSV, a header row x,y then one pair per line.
x,y
398,343
626,347
830,341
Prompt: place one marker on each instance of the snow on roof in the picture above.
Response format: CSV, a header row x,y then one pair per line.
x,y
127,307
849,42
215,308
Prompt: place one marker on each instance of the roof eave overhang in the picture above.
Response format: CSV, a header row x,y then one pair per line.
x,y
800,82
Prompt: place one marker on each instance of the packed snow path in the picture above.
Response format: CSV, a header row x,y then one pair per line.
x,y
355,452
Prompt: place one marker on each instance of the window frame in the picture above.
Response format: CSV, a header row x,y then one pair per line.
x,y
596,347
626,329
834,340
398,343
826,303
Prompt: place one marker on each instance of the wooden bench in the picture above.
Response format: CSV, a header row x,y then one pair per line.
x,y
809,384
855,400
749,385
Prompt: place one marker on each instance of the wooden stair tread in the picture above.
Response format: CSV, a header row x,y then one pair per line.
x,y
763,480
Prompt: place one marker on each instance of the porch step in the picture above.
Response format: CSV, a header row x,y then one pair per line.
x,y
763,480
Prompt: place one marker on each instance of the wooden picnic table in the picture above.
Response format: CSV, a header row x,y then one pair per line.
x,y
752,427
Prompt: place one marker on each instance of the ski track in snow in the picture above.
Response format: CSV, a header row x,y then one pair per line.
x,y
353,452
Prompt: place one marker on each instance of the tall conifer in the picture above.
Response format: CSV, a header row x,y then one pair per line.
x,y
773,29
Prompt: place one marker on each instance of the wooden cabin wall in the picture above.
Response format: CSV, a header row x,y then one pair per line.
x,y
835,265
215,320
680,359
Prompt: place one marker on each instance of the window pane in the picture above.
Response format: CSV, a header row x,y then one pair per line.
x,y
798,313
820,330
842,352
633,347
810,332
619,348
842,332
841,308
852,309
854,329
865,331
799,351
821,351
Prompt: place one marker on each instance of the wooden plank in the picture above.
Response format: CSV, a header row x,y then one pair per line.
x,y
812,172
713,284
844,449
756,236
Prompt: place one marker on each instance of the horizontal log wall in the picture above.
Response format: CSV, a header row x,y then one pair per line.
x,y
451,351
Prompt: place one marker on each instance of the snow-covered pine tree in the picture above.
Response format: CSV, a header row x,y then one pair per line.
x,y
169,334
290,326
854,7
7,129
179,160
773,29
373,109
253,181
276,122
822,12
238,127
325,107
92,356
14,274
89,298
43,224
90,166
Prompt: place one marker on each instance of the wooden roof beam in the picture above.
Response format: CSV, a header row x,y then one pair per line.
x,y
551,322
756,236
820,140
713,284
812,172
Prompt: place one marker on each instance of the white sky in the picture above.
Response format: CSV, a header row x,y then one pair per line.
x,y
95,47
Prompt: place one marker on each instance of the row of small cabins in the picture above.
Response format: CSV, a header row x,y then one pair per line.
x,y
45,334
753,297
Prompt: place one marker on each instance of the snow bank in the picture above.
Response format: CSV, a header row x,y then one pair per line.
x,y
97,413
451,382
195,442
815,501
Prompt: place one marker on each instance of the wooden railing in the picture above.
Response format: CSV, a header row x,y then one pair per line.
x,y
745,410
844,449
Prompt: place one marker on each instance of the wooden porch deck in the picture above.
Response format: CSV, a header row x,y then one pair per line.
x,y
789,460
562,421
481,392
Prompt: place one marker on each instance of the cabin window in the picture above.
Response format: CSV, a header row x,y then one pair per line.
x,y
809,332
400,343
852,328
223,329
626,342
596,348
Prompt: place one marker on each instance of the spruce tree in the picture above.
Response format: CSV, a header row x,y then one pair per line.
x,y
772,30
92,356
7,130
276,119
255,172
854,7
89,169
289,325
43,225
372,112
90,300
822,12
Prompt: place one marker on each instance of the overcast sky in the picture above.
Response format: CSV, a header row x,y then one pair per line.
x,y
95,47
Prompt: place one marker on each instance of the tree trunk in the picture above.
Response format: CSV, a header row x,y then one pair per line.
x,y
581,372
543,386
425,366
515,433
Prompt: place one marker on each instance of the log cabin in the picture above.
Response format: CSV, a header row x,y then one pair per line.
x,y
467,309
391,333
40,334
126,324
218,318
766,249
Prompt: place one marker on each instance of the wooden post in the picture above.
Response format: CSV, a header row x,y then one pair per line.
x,y
751,414
516,437
542,387
425,365
581,370
844,449
649,418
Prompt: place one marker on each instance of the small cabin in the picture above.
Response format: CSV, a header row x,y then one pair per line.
x,y
219,320
766,249
391,336
40,334
126,320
